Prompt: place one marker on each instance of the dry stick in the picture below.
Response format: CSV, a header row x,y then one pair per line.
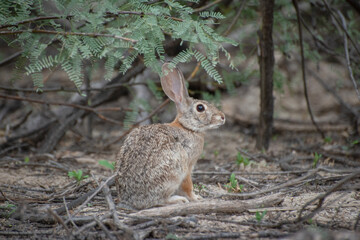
x,y
35,19
295,3
252,173
68,214
206,6
63,104
344,29
42,31
347,54
212,206
62,89
251,156
322,197
233,22
102,226
333,92
59,220
90,224
281,186
127,230
94,193
222,235
10,59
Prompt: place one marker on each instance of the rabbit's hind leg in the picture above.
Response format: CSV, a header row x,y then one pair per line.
x,y
187,189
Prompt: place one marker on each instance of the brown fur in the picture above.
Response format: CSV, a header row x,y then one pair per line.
x,y
156,160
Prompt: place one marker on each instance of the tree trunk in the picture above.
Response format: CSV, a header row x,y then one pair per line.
x,y
266,63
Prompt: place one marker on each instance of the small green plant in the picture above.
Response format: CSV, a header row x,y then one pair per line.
x,y
199,187
107,164
260,215
241,159
355,142
216,153
328,140
172,236
78,175
26,159
316,159
233,185
8,208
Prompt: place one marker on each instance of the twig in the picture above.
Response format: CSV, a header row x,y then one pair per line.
x,y
345,31
347,54
34,20
295,3
10,59
233,22
68,214
251,156
92,196
59,220
102,226
42,165
42,31
63,89
90,109
281,186
127,230
141,14
223,235
91,224
333,92
108,15
322,197
27,233
207,6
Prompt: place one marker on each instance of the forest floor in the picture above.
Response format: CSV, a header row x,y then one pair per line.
x,y
303,187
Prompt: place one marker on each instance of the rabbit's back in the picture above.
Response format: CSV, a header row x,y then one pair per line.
x,y
153,161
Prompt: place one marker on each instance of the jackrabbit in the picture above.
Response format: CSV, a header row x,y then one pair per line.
x,y
156,160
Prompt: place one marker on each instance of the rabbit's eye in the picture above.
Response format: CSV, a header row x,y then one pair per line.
x,y
200,108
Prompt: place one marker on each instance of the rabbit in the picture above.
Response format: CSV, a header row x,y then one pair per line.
x,y
156,160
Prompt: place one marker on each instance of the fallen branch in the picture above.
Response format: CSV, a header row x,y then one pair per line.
x,y
212,206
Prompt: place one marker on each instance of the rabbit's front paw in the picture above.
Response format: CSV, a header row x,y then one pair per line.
x,y
177,199
194,197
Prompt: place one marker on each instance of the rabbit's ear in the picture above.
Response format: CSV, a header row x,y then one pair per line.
x,y
173,84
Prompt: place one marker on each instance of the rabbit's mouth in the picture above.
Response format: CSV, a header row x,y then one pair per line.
x,y
216,122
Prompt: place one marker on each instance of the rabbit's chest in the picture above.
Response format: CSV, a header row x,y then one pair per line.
x,y
191,144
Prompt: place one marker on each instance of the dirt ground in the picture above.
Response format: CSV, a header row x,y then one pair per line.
x,y
303,187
